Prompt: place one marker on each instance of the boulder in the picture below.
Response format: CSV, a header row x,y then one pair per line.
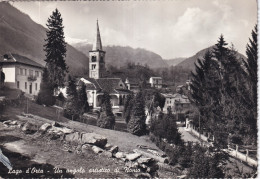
x,y
146,160
85,148
108,146
113,149
94,139
97,150
142,175
119,155
13,123
73,137
7,122
29,128
133,156
107,154
131,164
45,127
54,123
157,158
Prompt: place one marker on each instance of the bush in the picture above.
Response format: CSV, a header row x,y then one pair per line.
x,y
106,119
136,124
107,122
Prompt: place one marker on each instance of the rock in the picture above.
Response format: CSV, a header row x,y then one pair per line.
x,y
131,164
145,160
157,158
119,155
85,148
28,128
13,123
54,123
65,130
45,127
152,168
142,175
73,137
7,122
107,154
97,150
133,156
94,139
114,149
182,176
108,146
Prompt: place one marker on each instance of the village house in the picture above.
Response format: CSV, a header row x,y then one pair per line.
x,y
156,82
177,102
21,73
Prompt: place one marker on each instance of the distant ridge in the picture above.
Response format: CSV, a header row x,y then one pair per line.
x,y
21,35
119,56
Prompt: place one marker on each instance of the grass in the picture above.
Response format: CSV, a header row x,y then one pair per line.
x,y
9,93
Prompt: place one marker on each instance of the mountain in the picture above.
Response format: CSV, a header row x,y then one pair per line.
x,y
121,56
188,63
21,35
174,61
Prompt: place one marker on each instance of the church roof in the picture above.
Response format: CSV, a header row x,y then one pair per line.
x,y
110,85
97,44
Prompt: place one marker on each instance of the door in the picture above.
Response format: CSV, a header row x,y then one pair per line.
x,y
30,88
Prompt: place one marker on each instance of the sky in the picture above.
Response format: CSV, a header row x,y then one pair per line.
x,y
170,28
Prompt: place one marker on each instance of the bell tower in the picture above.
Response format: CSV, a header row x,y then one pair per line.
x,y
97,58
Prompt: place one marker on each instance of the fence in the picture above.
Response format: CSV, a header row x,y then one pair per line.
x,y
243,157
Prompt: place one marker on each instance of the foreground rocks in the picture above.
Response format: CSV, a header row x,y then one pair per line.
x,y
136,162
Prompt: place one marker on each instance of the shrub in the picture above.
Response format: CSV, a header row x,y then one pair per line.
x,y
136,124
106,118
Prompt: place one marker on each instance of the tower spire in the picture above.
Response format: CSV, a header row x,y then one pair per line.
x,y
97,44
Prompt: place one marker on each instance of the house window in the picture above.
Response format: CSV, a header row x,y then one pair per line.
x,y
18,84
93,58
25,85
21,71
25,71
31,72
36,86
36,73
93,67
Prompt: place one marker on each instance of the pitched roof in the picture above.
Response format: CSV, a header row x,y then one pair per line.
x,y
15,58
109,84
97,44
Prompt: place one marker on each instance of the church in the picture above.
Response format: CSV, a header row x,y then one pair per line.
x,y
97,83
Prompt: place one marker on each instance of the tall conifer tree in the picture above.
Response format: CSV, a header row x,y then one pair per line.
x,y
55,49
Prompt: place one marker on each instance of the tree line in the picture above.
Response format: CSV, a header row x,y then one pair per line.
x,y
224,90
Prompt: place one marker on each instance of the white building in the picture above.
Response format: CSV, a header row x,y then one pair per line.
x,y
21,73
156,82
177,102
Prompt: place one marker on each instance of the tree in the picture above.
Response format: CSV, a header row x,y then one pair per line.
x,y
45,95
72,109
128,106
251,73
83,99
106,118
159,100
55,49
136,124
205,165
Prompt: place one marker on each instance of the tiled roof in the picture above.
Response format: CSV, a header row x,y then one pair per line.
x,y
109,84
15,58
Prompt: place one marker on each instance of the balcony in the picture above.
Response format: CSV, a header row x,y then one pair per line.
x,y
32,78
